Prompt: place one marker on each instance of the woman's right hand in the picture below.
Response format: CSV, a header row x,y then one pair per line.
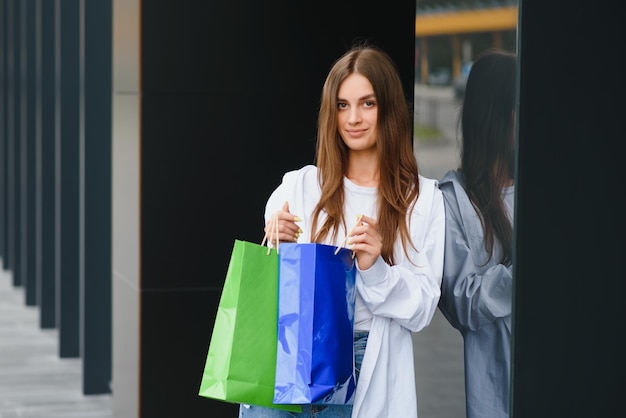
x,y
287,229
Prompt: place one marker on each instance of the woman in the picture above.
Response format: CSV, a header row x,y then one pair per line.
x,y
365,191
477,283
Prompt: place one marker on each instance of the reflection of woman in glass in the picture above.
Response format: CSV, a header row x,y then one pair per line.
x,y
477,281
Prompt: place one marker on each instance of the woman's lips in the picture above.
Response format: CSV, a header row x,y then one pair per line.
x,y
356,133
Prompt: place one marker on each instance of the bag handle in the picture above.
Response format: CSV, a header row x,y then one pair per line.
x,y
345,240
272,223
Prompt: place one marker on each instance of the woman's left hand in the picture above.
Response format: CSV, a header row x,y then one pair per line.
x,y
366,242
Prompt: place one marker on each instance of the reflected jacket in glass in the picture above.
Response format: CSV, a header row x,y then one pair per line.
x,y
476,298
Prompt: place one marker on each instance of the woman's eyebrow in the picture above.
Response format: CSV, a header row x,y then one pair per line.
x,y
367,96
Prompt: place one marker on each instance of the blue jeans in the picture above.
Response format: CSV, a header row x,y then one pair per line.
x,y
313,411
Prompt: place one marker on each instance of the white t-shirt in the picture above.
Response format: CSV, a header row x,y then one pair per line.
x,y
359,200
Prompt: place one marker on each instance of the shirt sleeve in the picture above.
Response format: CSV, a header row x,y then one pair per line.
x,y
408,292
472,295
300,189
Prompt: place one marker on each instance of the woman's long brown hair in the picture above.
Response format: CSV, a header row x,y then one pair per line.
x,y
487,157
398,186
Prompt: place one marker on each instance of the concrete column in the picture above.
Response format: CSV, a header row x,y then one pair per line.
x,y
69,182
48,114
3,133
96,284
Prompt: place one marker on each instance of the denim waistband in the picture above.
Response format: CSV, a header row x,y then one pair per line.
x,y
360,334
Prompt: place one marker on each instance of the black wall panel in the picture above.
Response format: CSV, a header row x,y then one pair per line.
x,y
229,100
568,353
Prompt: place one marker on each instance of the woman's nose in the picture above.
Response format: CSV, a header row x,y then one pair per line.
x,y
355,117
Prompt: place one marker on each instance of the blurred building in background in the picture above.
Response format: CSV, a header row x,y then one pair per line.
x,y
449,34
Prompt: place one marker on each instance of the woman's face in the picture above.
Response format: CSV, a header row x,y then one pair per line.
x,y
357,113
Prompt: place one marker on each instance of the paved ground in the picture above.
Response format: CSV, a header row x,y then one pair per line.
x,y
34,381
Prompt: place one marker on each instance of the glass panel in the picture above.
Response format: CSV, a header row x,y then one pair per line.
x,y
450,34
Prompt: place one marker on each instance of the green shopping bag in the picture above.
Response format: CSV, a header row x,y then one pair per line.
x,y
241,361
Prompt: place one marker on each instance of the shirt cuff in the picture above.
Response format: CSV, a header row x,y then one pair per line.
x,y
375,274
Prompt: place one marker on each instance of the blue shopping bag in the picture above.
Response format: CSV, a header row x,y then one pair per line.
x,y
315,352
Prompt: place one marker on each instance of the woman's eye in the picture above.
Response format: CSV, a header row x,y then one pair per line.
x,y
370,104
341,105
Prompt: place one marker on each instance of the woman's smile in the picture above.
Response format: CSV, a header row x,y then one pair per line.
x,y
356,133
